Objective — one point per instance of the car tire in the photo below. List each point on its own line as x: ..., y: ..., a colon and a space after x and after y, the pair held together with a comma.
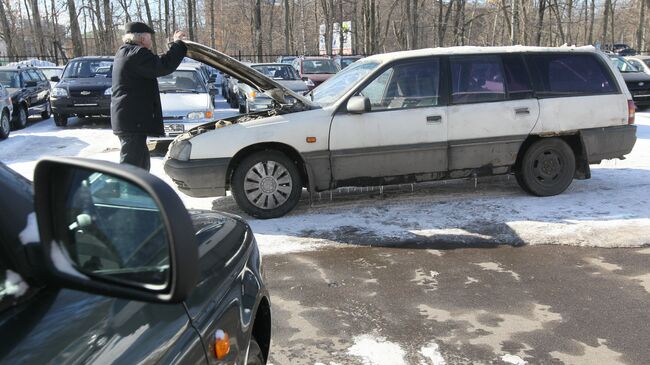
x: 255, y: 355
x: 547, y: 167
x: 5, y: 125
x: 20, y: 117
x: 265, y: 193
x: 242, y: 108
x: 48, y: 111
x: 60, y: 120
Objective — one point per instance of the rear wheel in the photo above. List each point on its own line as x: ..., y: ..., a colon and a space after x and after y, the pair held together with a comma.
x: 266, y: 184
x: 255, y: 355
x: 60, y: 120
x: 20, y: 117
x: 242, y: 108
x: 5, y: 125
x: 48, y: 110
x: 547, y: 167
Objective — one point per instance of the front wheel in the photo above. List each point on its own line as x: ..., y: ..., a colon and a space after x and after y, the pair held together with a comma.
x: 255, y: 355
x: 60, y: 120
x: 266, y: 184
x: 547, y: 167
x: 20, y: 118
x: 5, y: 125
x: 48, y: 110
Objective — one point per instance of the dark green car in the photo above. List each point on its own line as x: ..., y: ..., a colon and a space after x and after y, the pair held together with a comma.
x: 101, y: 263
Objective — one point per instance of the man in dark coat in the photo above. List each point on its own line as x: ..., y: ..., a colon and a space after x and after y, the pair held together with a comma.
x: 136, y: 111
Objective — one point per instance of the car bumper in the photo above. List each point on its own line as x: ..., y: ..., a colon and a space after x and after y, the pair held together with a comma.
x: 199, y: 178
x: 608, y: 142
x: 174, y: 128
x: 87, y: 106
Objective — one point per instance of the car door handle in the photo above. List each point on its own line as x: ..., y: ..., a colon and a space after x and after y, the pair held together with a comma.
x: 433, y: 119
x: 521, y: 111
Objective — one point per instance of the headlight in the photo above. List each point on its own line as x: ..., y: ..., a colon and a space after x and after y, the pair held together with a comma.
x: 59, y: 92
x: 200, y: 115
x: 109, y: 91
x: 181, y: 150
x: 308, y: 82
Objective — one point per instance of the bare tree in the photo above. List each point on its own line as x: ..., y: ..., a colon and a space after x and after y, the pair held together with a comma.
x: 6, y: 31
x: 640, y: 32
x: 257, y: 26
x: 149, y: 20
x: 108, y: 25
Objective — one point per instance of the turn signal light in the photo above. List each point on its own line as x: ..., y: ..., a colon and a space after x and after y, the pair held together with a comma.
x: 631, y: 109
x: 208, y: 114
x: 221, y: 344
x: 311, y: 139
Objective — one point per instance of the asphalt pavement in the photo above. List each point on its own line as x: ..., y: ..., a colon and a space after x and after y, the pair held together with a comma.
x: 472, y: 305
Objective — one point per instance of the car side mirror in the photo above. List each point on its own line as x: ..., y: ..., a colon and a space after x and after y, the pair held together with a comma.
x: 304, y: 78
x: 30, y: 83
x: 113, y: 230
x: 358, y: 105
x: 213, y: 78
x: 55, y: 79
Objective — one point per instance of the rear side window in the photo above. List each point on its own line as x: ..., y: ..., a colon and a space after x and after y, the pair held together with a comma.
x: 517, y: 79
x: 569, y: 75
x: 476, y: 79
x: 34, y: 75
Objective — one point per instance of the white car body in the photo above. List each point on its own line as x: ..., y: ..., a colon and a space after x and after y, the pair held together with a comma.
x: 336, y: 147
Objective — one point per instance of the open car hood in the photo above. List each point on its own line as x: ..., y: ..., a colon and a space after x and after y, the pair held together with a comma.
x: 243, y: 73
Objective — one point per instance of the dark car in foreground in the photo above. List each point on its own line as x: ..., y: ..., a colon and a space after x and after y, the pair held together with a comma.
x: 637, y: 81
x: 102, y: 263
x: 84, y: 89
x: 29, y: 91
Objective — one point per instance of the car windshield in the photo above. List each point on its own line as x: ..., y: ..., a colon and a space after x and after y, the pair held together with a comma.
x: 83, y: 69
x: 623, y: 65
x: 319, y: 66
x: 277, y: 72
x: 345, y: 62
x: 10, y: 79
x: 333, y: 89
x: 51, y: 72
x: 182, y: 82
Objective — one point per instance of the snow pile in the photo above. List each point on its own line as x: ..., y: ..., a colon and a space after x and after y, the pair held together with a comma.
x: 432, y: 353
x: 14, y: 285
x: 512, y: 359
x: 377, y: 351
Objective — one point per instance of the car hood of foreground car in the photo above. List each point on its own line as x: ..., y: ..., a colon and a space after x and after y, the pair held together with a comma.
x: 243, y: 73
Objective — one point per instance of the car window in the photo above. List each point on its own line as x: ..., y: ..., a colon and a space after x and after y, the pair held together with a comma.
x: 636, y: 64
x: 9, y: 79
x: 182, y: 82
x: 647, y: 62
x: 569, y: 74
x: 88, y: 69
x: 35, y: 75
x: 320, y: 66
x: 405, y: 86
x: 623, y: 65
x: 50, y: 72
x: 476, y: 79
x: 334, y: 88
x: 278, y: 72
x: 517, y: 79
x: 26, y: 76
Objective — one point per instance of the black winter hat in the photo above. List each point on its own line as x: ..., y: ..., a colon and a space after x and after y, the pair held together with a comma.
x: 138, y: 27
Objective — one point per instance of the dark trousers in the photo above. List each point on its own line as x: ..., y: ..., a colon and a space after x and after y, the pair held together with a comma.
x: 134, y: 150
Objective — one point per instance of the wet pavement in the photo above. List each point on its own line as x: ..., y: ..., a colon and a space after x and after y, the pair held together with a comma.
x: 476, y: 305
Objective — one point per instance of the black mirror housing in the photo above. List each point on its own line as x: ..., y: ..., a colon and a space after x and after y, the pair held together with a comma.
x: 55, y: 79
x: 52, y: 182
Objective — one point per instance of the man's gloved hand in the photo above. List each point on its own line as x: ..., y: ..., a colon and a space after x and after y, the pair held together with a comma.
x: 179, y: 35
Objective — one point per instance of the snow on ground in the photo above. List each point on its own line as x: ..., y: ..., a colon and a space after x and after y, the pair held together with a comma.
x: 610, y: 210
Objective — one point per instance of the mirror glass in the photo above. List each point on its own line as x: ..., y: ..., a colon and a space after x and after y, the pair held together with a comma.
x: 114, y: 230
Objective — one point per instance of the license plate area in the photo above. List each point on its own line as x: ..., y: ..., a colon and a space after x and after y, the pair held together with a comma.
x: 174, y: 129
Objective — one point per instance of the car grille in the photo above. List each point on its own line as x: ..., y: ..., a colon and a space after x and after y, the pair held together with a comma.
x: 86, y: 93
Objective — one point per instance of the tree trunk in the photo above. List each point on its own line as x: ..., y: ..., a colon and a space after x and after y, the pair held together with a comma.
x: 540, y: 21
x: 569, y: 35
x: 271, y: 23
x: 640, y: 32
x: 514, y: 31
x: 149, y: 20
x: 190, y: 19
x: 6, y: 32
x: 257, y: 24
x: 341, y: 27
x: 605, y: 21
x: 101, y: 35
x: 108, y: 21
x: 558, y: 17
x: 167, y: 19
x: 302, y: 30
x: 286, y: 26
x: 125, y: 9
x: 213, y: 43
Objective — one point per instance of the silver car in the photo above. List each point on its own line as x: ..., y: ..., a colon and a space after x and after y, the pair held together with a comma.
x: 6, y: 107
x: 186, y: 101
x: 251, y: 100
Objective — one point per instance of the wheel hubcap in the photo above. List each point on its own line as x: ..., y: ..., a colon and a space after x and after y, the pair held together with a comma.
x: 5, y: 123
x: 547, y: 166
x: 268, y: 184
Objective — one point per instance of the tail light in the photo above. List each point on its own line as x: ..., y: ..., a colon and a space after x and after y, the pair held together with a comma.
x: 631, y: 111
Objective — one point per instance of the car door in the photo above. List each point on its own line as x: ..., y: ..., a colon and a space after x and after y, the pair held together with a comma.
x: 42, y: 87
x: 31, y: 95
x: 492, y: 110
x: 404, y: 133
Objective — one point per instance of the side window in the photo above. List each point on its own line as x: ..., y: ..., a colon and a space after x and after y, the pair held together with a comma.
x: 517, y: 79
x: 476, y: 79
x: 569, y: 74
x: 636, y: 64
x: 26, y: 77
x: 405, y: 86
x: 34, y: 75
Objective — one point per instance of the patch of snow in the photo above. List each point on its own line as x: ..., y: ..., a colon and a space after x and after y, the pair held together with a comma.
x: 62, y: 263
x: 377, y: 351
x: 30, y: 233
x: 512, y: 359
x: 471, y: 280
x: 432, y: 353
x: 14, y: 285
x: 495, y: 266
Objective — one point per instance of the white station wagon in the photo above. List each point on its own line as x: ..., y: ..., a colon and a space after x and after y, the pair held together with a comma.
x: 543, y: 114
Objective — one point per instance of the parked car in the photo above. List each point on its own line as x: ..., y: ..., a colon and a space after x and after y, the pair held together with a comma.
x: 315, y: 69
x: 345, y: 61
x: 642, y: 63
x: 232, y: 90
x: 399, y: 118
x: 637, y: 81
x: 251, y: 99
x: 285, y: 59
x: 6, y: 108
x: 84, y: 90
x: 51, y: 71
x: 101, y: 263
x: 618, y: 47
x: 627, y: 52
x: 186, y: 101
x: 29, y: 92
